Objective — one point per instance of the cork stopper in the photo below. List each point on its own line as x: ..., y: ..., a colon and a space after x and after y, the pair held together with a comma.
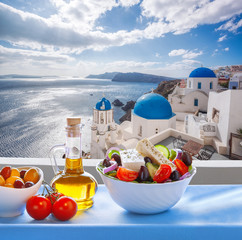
x: 73, y: 126
x: 73, y: 121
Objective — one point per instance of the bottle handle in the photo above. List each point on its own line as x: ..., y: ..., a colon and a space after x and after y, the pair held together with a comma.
x: 53, y: 157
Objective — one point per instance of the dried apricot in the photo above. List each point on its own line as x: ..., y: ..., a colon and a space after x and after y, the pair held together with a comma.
x: 2, y: 180
x: 13, y: 179
x: 15, y: 172
x: 31, y: 175
x: 10, y: 185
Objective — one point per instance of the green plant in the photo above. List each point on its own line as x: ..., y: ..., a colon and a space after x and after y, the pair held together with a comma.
x: 225, y: 85
x: 239, y: 131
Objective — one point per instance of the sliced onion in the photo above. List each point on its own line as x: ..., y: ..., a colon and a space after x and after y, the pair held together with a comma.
x: 186, y: 175
x: 111, y: 149
x: 114, y: 165
x: 178, y: 154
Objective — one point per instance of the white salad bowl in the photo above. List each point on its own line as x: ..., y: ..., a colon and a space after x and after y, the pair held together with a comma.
x: 13, y: 200
x: 145, y: 198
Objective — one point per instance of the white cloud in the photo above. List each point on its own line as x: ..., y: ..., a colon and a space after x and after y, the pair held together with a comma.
x: 131, y: 64
x: 180, y: 68
x: 73, y: 30
x: 226, y: 49
x: 128, y: 3
x: 81, y: 15
x: 222, y: 38
x: 26, y: 29
x: 31, y: 62
x: 187, y: 54
x: 231, y: 25
x: 157, y: 55
x: 181, y: 16
x: 177, y: 52
x: 191, y: 54
x: 215, y: 52
x: 13, y: 55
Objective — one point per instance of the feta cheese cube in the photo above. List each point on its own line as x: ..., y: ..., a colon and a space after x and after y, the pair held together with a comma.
x: 131, y: 159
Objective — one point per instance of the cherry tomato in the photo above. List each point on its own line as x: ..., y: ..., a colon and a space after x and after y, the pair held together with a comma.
x: 64, y: 208
x: 162, y: 173
x: 54, y: 196
x: 38, y: 207
x: 127, y: 175
x: 181, y: 166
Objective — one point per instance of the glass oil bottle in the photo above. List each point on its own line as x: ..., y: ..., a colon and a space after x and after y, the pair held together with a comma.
x: 73, y: 181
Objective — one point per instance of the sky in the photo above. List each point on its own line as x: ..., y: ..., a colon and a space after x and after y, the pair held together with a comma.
x: 82, y: 37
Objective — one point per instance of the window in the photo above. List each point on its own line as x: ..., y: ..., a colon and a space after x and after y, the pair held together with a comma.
x: 199, y: 85
x: 140, y: 131
x: 190, y: 84
x: 102, y: 119
x: 195, y: 102
x: 215, y: 115
x: 211, y: 85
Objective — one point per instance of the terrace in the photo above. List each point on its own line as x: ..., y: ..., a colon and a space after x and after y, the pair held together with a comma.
x: 216, y: 182
x: 219, y: 169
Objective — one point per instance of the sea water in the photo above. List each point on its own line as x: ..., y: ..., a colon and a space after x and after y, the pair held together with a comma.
x: 33, y: 112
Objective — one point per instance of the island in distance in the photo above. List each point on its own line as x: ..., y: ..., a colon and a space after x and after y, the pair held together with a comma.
x: 131, y: 77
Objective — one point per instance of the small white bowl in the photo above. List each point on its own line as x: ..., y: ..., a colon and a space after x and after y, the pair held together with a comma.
x: 13, y: 200
x: 145, y: 198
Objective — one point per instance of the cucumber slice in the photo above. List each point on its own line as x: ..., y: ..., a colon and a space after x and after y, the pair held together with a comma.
x: 173, y: 154
x: 113, y: 152
x: 164, y: 150
x: 152, y: 168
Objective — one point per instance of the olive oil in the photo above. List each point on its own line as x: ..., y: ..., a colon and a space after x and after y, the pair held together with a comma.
x: 74, y: 181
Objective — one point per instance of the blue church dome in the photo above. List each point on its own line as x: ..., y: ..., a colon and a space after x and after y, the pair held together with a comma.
x: 153, y: 106
x: 202, y: 72
x: 103, y: 105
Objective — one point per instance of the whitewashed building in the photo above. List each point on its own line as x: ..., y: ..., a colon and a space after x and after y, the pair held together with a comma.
x: 224, y: 116
x: 103, y: 128
x: 194, y: 97
x: 236, y: 81
x: 152, y: 114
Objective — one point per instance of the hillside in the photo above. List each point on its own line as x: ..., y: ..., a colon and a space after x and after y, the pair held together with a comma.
x: 139, y: 77
x: 106, y: 75
x: 131, y: 77
x: 166, y: 87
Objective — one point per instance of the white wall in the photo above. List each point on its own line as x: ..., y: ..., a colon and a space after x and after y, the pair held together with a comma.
x: 193, y: 127
x: 150, y: 126
x: 205, y: 84
x: 180, y: 116
x: 229, y: 103
x: 187, y: 104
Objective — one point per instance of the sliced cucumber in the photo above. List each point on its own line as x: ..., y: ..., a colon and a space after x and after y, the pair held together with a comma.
x: 152, y: 168
x: 164, y: 150
x: 173, y: 154
x: 113, y: 152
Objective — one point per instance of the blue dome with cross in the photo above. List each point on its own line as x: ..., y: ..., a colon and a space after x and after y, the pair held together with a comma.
x: 103, y: 105
x: 153, y: 106
x: 202, y: 72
